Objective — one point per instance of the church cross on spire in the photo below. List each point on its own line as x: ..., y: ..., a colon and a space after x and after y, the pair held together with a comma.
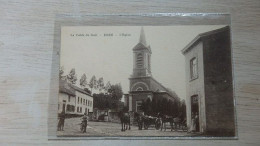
x: 142, y: 37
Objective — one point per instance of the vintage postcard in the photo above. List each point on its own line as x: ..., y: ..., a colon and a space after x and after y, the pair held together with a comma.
x: 146, y: 81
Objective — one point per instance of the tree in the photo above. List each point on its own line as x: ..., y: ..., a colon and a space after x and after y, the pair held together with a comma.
x: 93, y: 82
x: 146, y: 106
x: 110, y: 100
x: 61, y: 72
x: 72, y: 77
x: 154, y: 106
x: 182, y: 109
x: 164, y: 106
x: 116, y: 91
x: 107, y: 87
x: 100, y: 83
x: 83, y: 80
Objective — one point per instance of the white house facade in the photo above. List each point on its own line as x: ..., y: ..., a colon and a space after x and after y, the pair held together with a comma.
x: 74, y: 100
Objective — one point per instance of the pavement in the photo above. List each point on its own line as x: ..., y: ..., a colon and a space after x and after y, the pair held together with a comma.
x: 72, y: 128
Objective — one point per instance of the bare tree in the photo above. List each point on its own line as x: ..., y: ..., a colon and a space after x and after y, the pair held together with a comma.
x: 93, y: 83
x: 61, y: 72
x: 72, y: 76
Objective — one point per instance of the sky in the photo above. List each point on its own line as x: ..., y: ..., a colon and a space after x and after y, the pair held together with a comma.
x: 106, y: 51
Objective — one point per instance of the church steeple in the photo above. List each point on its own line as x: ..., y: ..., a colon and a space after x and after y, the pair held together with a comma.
x: 142, y: 57
x: 142, y: 37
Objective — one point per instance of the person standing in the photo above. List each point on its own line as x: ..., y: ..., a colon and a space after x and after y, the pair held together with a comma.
x: 61, y: 121
x: 84, y: 122
x: 193, y: 124
x: 196, y: 122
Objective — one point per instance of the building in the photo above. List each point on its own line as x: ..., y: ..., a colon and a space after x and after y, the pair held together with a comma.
x: 74, y: 100
x: 142, y: 85
x: 209, y: 82
x: 67, y: 98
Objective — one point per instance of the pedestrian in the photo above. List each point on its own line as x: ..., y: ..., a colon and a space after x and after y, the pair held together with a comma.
x: 84, y: 122
x: 61, y: 121
x: 193, y: 124
x: 197, y: 122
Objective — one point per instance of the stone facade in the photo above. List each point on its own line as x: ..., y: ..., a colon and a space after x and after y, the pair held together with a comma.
x: 211, y: 89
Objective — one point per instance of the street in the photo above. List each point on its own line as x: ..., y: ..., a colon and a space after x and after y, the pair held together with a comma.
x: 72, y: 128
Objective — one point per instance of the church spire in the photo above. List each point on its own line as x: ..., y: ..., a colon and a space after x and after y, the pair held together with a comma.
x: 142, y: 37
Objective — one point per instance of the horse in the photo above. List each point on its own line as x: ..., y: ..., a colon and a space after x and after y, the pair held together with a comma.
x: 125, y: 120
x: 166, y: 119
x: 139, y: 119
x: 158, y: 123
x: 177, y: 122
x: 183, y: 124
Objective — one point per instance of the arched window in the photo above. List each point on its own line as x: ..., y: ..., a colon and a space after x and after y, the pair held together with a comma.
x: 139, y: 60
x: 139, y: 89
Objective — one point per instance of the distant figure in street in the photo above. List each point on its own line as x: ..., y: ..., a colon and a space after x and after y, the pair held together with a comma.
x: 84, y: 123
x: 196, y: 122
x: 61, y: 121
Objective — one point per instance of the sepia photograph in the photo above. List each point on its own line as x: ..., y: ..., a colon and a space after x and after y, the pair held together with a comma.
x: 146, y: 81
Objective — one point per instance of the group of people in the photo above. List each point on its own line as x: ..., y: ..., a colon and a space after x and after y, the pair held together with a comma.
x: 84, y: 122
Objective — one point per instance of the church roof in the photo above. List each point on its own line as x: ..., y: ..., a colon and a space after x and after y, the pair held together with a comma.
x: 142, y: 42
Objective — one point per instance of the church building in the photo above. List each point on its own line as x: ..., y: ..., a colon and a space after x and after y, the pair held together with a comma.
x: 142, y: 85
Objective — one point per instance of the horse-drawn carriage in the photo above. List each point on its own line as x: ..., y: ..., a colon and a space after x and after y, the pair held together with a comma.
x: 146, y: 121
x: 159, y: 122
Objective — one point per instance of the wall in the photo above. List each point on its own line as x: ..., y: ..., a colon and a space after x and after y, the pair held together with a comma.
x: 218, y: 83
x: 83, y: 106
x: 195, y: 86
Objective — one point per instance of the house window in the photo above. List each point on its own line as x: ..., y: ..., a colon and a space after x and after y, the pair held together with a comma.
x: 81, y: 100
x: 69, y: 99
x: 78, y: 100
x: 139, y: 60
x: 77, y: 109
x: 193, y: 68
x: 138, y: 106
x: 84, y: 101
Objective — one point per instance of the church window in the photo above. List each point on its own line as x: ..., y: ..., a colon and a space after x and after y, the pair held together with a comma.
x: 139, y: 60
x: 139, y: 89
x: 193, y: 68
